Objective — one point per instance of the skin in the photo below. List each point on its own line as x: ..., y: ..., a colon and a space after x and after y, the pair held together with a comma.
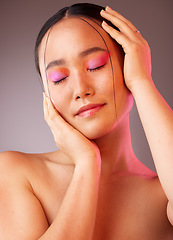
x: 94, y: 187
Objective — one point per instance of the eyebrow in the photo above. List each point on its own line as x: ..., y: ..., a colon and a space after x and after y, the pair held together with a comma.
x: 84, y: 53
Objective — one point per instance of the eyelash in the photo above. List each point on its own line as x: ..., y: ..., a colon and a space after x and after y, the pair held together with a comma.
x: 97, y: 68
x: 59, y: 81
x: 90, y: 70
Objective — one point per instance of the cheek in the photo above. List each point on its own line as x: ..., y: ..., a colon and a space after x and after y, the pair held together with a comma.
x: 60, y: 101
x: 105, y: 82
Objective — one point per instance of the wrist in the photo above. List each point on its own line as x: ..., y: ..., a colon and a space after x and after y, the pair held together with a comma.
x: 89, y: 167
x: 141, y: 86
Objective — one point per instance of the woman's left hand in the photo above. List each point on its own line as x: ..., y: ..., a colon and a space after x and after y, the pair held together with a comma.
x: 137, y: 61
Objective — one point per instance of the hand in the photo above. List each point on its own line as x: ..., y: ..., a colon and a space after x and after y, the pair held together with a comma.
x: 75, y: 145
x: 137, y: 61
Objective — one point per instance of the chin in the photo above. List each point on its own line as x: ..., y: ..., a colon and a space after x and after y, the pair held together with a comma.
x: 96, y: 132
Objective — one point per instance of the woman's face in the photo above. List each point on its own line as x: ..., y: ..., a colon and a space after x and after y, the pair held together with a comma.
x: 76, y: 72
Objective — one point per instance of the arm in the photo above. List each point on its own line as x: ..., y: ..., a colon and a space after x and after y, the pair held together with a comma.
x: 21, y: 213
x: 155, y: 114
x: 157, y: 120
x: 76, y: 217
x: 22, y: 216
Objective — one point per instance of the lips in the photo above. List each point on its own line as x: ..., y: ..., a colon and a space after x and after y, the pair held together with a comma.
x: 89, y: 110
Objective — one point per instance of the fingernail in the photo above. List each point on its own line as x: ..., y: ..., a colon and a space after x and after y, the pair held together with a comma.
x: 44, y: 96
x: 108, y: 8
x: 47, y: 99
x: 104, y: 23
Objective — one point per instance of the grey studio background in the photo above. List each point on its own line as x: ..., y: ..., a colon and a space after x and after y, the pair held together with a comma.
x: 22, y: 126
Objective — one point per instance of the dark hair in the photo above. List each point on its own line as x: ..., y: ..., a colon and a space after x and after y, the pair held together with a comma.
x: 87, y: 10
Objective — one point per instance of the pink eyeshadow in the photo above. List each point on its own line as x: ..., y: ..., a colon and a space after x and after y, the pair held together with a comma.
x: 98, y: 61
x: 56, y: 76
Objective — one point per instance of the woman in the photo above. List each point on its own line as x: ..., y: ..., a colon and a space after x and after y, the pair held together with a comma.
x: 93, y: 187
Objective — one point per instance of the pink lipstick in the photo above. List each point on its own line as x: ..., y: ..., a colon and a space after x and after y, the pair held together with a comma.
x: 89, y: 110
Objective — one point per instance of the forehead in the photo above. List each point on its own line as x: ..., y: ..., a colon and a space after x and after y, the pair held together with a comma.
x: 75, y: 27
x: 74, y: 35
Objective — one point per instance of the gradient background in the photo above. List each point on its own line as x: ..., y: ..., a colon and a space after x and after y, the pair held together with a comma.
x: 22, y: 126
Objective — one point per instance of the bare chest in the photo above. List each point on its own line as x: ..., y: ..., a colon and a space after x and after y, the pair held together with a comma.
x: 130, y: 210
x: 132, y: 213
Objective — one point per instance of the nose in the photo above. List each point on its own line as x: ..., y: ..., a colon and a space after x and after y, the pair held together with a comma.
x: 82, y: 86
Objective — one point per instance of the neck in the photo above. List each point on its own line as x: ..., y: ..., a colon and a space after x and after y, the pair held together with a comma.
x: 116, y: 150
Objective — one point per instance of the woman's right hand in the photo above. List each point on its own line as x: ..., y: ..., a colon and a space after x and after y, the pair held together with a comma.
x: 69, y: 140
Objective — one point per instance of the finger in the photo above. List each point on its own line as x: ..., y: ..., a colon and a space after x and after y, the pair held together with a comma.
x: 46, y: 111
x: 54, y: 120
x: 52, y: 116
x: 116, y: 14
x: 123, y: 27
x: 45, y: 105
x: 51, y: 109
x: 122, y: 39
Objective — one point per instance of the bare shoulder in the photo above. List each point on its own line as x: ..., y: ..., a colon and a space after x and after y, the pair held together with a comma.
x: 31, y: 185
x: 10, y: 157
x: 18, y: 204
x: 18, y: 160
x: 14, y: 163
x: 11, y: 163
x: 26, y: 171
x: 15, y: 169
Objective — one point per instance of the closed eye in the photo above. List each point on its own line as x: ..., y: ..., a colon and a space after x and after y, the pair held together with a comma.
x: 58, y: 77
x: 98, y: 62
x: 96, y: 68
x: 59, y: 81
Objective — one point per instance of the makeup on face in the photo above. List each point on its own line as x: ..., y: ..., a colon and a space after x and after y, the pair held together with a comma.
x: 98, y: 61
x: 58, y: 75
x: 93, y: 63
